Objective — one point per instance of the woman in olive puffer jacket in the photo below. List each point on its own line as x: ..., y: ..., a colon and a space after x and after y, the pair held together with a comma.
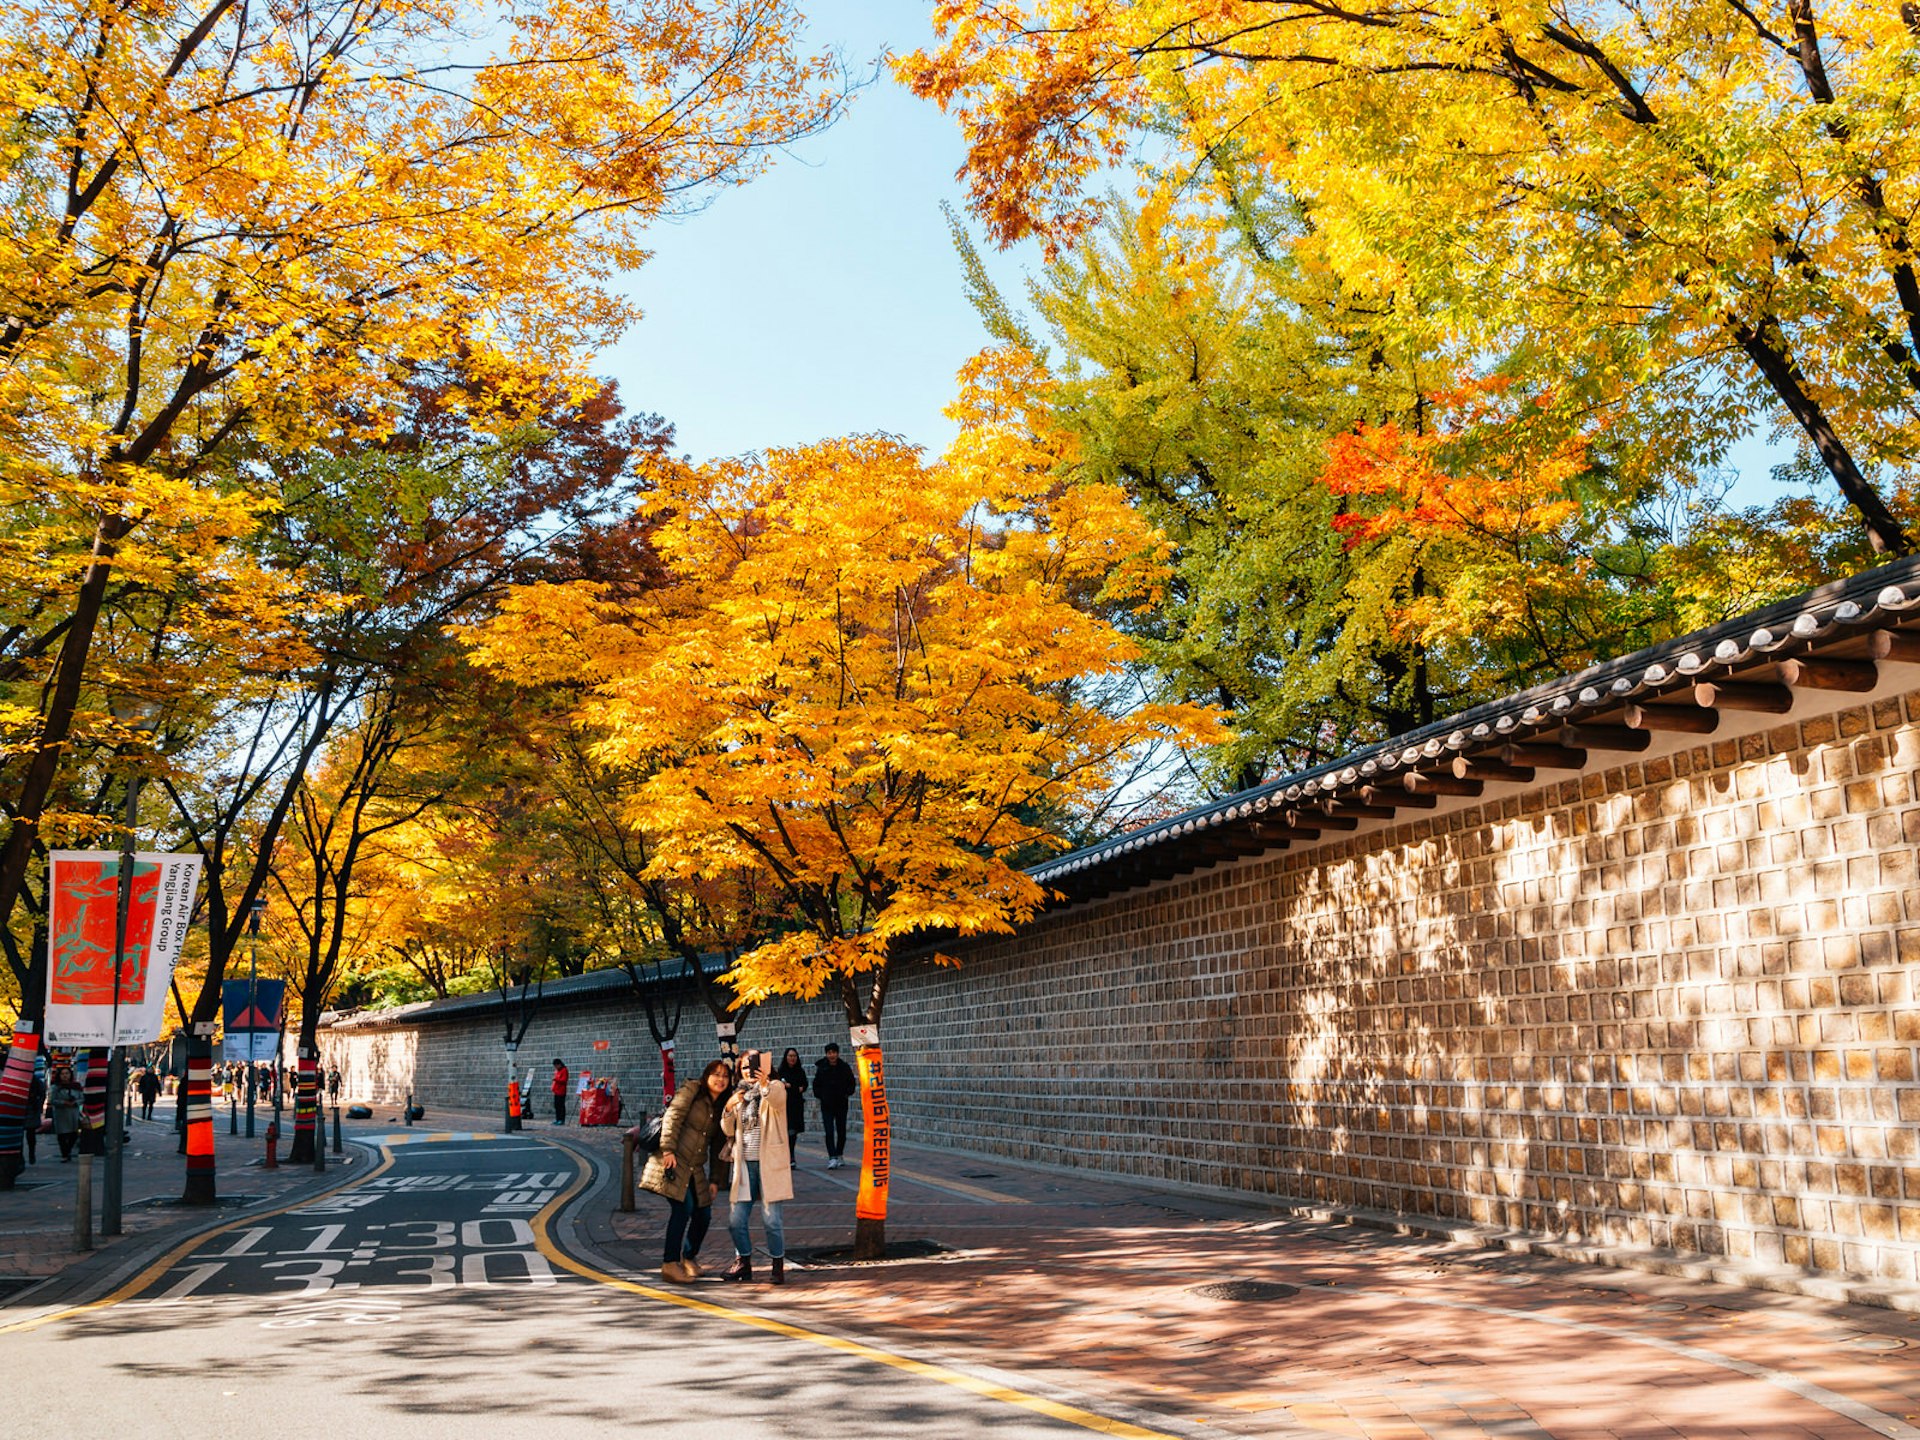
x: 679, y: 1169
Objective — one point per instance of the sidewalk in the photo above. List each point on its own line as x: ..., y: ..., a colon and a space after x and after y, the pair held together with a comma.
x: 1243, y: 1321
x: 36, y: 1216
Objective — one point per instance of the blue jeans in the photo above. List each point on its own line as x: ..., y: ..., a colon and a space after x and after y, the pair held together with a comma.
x: 743, y: 1212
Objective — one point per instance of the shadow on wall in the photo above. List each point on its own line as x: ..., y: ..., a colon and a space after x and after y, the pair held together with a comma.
x: 1664, y: 1007
x: 378, y: 1069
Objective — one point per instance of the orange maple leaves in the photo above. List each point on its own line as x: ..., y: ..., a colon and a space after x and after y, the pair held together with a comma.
x: 1487, y: 469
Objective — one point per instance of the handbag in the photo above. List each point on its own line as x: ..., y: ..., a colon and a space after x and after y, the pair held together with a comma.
x: 649, y: 1141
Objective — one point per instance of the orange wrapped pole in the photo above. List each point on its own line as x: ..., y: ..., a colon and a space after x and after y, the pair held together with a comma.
x: 876, y: 1156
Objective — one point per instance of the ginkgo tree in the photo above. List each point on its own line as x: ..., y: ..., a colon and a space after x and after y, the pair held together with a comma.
x: 229, y: 220
x: 863, y: 678
x: 1697, y: 204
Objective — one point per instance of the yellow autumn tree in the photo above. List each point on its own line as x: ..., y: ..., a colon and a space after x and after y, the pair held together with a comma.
x: 865, y: 679
x: 1705, y: 204
x: 252, y: 222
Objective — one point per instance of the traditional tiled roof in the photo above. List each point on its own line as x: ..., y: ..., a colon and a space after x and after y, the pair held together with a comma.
x: 1831, y: 639
x: 592, y: 988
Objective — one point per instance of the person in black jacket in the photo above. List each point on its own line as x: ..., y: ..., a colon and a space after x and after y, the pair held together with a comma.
x: 834, y: 1084
x: 793, y: 1075
x: 36, y: 1107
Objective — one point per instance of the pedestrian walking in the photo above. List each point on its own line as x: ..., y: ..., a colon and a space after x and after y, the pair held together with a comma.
x: 755, y: 1120
x: 559, y: 1091
x: 333, y: 1085
x: 793, y: 1074
x: 36, y: 1106
x: 149, y: 1087
x: 834, y: 1084
x: 64, y: 1099
x: 678, y: 1170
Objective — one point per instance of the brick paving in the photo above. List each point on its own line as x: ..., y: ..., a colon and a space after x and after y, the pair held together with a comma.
x: 1099, y: 1287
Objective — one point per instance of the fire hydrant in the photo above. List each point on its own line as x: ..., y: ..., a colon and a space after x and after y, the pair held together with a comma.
x: 273, y: 1145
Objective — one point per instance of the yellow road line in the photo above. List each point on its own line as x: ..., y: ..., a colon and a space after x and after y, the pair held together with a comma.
x: 179, y: 1252
x: 991, y: 1390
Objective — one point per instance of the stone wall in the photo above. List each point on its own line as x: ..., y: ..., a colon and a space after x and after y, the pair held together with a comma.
x: 1669, y: 1003
x: 457, y: 1062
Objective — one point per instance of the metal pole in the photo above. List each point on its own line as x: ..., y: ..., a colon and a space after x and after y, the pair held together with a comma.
x: 253, y: 1004
x: 117, y: 1057
x: 336, y: 1124
x: 83, y: 1203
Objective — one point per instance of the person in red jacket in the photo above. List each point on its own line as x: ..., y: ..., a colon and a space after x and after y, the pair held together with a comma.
x: 559, y: 1092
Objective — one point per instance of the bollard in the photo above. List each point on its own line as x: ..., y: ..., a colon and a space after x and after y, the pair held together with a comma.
x: 319, y: 1142
x: 629, y: 1142
x: 336, y: 1124
x: 409, y: 1107
x: 273, y: 1145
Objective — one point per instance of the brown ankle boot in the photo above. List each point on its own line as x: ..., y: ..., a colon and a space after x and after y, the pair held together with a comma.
x: 779, y: 1276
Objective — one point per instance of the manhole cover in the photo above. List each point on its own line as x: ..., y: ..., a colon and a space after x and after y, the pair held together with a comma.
x: 979, y: 1174
x: 1246, y: 1290
x: 1874, y: 1342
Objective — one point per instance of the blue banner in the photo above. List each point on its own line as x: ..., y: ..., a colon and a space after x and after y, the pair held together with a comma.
x: 252, y: 1013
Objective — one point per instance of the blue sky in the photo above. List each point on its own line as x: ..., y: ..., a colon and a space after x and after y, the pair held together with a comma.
x: 824, y: 298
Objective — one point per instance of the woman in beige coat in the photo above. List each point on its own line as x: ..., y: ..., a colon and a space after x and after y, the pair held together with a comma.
x: 756, y: 1120
x: 678, y: 1170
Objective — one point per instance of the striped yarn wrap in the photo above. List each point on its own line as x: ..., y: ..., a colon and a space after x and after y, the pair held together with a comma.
x: 15, y: 1077
x: 200, y: 1117
x: 93, y: 1107
x: 306, y: 1106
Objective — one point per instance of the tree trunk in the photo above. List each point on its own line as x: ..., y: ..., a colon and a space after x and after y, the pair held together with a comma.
x: 93, y: 1109
x: 51, y: 744
x: 1766, y: 346
x: 876, y: 1157
x: 201, y: 1188
x: 306, y: 1089
x: 869, y: 1236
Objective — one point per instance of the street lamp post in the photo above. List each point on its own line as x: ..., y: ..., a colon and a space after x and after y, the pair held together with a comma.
x: 141, y: 715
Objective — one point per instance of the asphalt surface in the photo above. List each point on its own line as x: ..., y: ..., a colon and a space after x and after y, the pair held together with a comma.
x: 432, y: 1298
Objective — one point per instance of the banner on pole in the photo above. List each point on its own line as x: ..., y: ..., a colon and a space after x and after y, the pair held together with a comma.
x: 252, y: 1013
x: 83, y: 907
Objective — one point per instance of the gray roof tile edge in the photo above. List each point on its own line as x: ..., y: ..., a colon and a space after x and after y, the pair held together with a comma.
x: 1854, y: 602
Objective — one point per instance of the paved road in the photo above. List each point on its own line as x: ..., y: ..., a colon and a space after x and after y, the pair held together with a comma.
x: 432, y: 1298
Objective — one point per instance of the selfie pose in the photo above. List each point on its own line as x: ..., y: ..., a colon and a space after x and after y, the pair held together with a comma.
x: 756, y: 1121
x: 678, y: 1170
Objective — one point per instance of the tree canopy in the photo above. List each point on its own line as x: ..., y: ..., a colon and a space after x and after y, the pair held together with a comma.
x: 1695, y: 207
